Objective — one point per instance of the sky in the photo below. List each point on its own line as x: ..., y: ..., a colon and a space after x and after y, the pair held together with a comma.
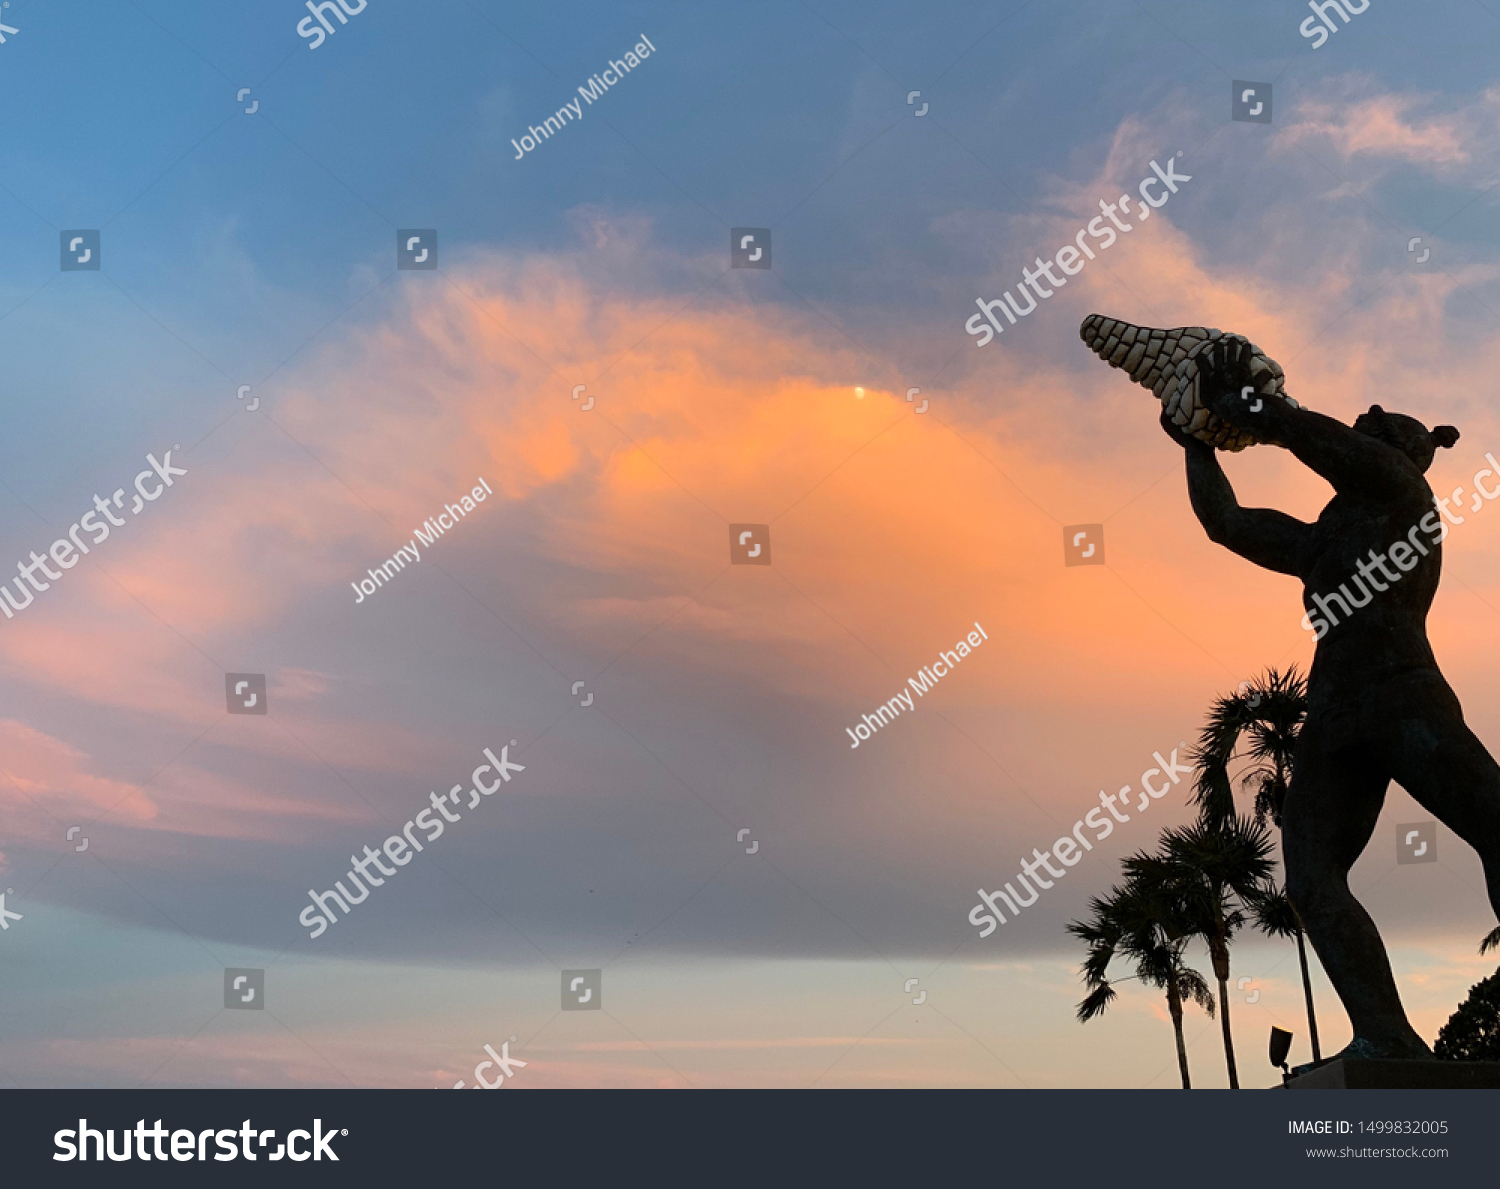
x: 692, y: 820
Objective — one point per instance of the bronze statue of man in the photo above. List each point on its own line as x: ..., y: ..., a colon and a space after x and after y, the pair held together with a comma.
x: 1378, y: 706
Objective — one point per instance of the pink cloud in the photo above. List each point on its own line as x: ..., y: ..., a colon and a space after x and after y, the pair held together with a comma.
x: 1350, y: 115
x: 44, y: 781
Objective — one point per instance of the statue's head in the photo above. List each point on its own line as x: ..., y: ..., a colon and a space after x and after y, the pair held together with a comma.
x: 1406, y: 434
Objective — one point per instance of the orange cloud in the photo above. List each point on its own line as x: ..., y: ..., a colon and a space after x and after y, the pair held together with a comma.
x: 892, y: 531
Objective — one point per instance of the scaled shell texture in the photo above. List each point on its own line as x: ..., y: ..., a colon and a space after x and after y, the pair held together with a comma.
x: 1165, y: 361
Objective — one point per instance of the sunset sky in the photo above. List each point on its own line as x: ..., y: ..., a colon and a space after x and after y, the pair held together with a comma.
x: 258, y: 249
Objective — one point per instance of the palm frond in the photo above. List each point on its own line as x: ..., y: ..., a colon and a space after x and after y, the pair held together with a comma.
x: 1095, y: 1002
x: 1263, y: 724
x: 1193, y: 985
x: 1273, y: 912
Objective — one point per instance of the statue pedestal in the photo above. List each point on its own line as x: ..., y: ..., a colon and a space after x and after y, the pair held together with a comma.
x: 1362, y: 1074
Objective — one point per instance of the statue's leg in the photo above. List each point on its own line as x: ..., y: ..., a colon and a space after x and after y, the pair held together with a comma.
x: 1331, y: 810
x: 1431, y: 752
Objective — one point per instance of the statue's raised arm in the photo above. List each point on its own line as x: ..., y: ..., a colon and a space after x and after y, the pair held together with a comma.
x: 1265, y: 536
x: 1355, y: 460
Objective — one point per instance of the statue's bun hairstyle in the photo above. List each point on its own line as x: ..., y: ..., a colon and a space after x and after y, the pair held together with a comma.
x: 1444, y: 436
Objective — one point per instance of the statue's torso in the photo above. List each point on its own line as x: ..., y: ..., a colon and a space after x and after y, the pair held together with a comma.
x: 1384, y: 635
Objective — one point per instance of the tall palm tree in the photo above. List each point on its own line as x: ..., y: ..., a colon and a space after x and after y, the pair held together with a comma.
x: 1141, y: 924
x: 1267, y: 716
x: 1274, y: 916
x: 1211, y: 868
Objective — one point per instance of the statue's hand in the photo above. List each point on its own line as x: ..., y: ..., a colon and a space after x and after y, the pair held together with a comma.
x: 1181, y: 436
x: 1223, y: 377
x: 1175, y: 431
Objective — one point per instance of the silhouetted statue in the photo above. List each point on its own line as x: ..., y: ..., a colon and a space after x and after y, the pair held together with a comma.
x: 1378, y: 707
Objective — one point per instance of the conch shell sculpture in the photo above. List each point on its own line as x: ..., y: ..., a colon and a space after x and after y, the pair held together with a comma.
x: 1165, y: 361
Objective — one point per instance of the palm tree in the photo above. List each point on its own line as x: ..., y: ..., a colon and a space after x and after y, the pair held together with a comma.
x: 1140, y: 923
x: 1268, y: 713
x: 1211, y: 868
x: 1275, y: 917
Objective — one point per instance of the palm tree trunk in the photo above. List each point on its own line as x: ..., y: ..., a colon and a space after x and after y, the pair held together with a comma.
x: 1219, y: 950
x: 1312, y: 1019
x: 1234, y: 1075
x: 1174, y: 1005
